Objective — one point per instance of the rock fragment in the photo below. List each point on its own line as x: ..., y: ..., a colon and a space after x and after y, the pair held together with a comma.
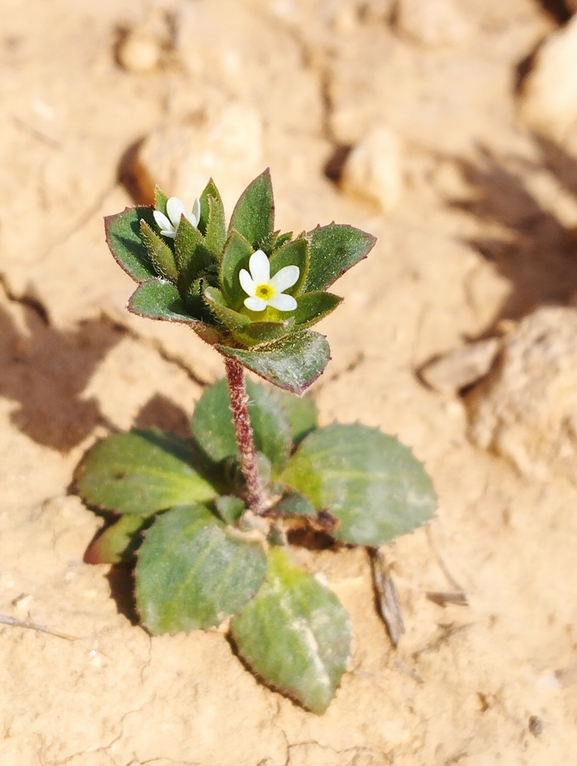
x: 526, y: 408
x: 433, y: 23
x: 374, y: 170
x: 549, y: 102
x: 461, y: 367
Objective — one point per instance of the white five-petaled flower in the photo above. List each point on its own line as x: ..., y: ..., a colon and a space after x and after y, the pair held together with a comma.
x: 264, y: 290
x: 175, y: 208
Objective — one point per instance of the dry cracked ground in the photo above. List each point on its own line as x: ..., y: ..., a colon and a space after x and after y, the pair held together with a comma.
x: 447, y: 129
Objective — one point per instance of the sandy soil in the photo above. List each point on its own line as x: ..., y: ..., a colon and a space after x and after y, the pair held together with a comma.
x: 480, y: 232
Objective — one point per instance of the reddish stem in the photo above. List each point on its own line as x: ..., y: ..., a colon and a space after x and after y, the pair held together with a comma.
x: 244, y: 435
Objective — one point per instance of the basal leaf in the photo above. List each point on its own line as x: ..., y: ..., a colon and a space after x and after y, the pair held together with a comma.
x: 125, y: 242
x: 370, y: 481
x: 192, y: 572
x: 118, y: 542
x: 295, y: 634
x: 300, y: 411
x: 295, y: 253
x: 293, y: 363
x: 333, y: 250
x: 312, y: 307
x: 213, y: 431
x: 159, y: 253
x: 140, y: 473
x: 236, y: 256
x: 158, y: 299
x: 294, y: 504
x: 229, y: 508
x: 253, y: 215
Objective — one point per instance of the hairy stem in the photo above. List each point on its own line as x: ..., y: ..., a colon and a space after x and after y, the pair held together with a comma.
x: 244, y: 435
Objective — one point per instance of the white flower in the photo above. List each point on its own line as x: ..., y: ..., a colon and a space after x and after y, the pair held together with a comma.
x: 175, y: 208
x: 264, y: 290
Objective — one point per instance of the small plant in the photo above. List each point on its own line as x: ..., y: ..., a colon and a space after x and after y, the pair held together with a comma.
x: 207, y: 519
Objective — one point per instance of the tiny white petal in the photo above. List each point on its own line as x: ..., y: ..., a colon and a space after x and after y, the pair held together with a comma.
x: 194, y: 216
x: 255, y: 304
x: 247, y: 282
x: 171, y: 233
x: 259, y: 267
x: 175, y: 208
x: 161, y: 220
x: 282, y: 302
x: 285, y: 278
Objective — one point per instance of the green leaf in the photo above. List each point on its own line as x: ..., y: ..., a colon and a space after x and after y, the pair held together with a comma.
x: 300, y: 411
x: 141, y: 472
x: 312, y: 307
x: 159, y: 253
x: 216, y: 229
x: 293, y: 363
x: 160, y: 199
x: 213, y: 430
x: 212, y: 219
x: 294, y: 504
x: 193, y: 572
x: 370, y: 481
x: 294, y: 253
x: 282, y: 239
x: 258, y: 333
x: 268, y: 245
x: 230, y: 318
x: 125, y: 242
x: 230, y: 508
x: 210, y: 190
x: 191, y: 254
x: 158, y: 299
x: 236, y: 256
x: 334, y: 249
x: 119, y: 542
x: 295, y: 634
x: 253, y: 215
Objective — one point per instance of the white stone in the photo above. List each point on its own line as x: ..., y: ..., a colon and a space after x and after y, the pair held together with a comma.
x: 433, y: 23
x: 526, y: 408
x: 549, y: 102
x: 225, y: 143
x: 374, y: 168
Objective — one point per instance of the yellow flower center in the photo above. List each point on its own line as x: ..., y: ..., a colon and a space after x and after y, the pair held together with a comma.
x: 264, y: 291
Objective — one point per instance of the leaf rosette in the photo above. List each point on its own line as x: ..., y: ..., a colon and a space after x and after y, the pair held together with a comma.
x: 177, y: 512
x: 250, y: 291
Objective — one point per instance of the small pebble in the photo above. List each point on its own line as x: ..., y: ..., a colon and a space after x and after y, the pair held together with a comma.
x: 535, y: 725
x: 374, y: 170
x: 140, y: 52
